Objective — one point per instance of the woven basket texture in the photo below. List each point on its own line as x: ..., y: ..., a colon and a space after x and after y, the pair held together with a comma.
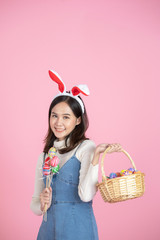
x: 121, y: 188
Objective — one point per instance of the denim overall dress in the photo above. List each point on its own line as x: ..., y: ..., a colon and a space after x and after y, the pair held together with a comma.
x: 68, y: 218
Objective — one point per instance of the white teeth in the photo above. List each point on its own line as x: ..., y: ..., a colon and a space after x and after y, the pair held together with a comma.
x: 59, y: 130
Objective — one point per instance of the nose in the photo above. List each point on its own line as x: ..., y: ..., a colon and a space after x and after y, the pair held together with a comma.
x: 58, y: 121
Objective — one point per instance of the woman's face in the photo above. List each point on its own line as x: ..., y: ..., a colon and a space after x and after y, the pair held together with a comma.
x: 63, y: 120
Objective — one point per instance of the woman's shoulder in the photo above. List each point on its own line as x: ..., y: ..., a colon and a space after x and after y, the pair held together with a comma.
x: 40, y: 159
x: 41, y: 156
x: 88, y: 144
x: 86, y: 147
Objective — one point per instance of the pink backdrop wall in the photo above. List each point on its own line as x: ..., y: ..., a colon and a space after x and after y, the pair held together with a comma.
x: 113, y: 47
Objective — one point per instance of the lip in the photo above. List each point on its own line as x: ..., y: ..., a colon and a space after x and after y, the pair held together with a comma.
x: 59, y: 130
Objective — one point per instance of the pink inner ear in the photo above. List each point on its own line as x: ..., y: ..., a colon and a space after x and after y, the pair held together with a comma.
x: 56, y: 79
x: 76, y: 90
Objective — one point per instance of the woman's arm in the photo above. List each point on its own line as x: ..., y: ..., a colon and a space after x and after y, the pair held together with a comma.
x: 88, y: 173
x: 90, y: 155
x: 38, y: 187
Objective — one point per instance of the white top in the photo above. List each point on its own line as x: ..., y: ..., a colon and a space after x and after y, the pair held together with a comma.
x: 88, y: 173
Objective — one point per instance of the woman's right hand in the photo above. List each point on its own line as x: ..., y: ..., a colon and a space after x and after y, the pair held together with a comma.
x: 46, y: 198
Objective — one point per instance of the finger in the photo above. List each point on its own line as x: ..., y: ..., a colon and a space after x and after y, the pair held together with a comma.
x: 47, y: 201
x: 118, y: 146
x: 46, y: 190
x: 115, y: 147
x: 105, y: 145
x: 42, y: 207
x: 47, y: 196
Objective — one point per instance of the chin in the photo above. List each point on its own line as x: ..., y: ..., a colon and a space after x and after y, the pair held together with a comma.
x: 60, y: 137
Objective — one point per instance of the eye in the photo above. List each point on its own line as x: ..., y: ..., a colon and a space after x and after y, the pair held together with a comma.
x: 53, y: 115
x: 65, y: 117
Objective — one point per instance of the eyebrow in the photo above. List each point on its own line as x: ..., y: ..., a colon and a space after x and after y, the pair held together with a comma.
x: 62, y: 114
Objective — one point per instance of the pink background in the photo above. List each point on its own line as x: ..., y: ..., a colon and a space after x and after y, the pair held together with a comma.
x: 113, y: 47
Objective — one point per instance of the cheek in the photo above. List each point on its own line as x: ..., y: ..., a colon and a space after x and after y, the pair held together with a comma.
x: 70, y: 125
x: 73, y: 125
x: 51, y: 122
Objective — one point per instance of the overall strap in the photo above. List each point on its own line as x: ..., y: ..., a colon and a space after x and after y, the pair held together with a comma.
x: 44, y: 156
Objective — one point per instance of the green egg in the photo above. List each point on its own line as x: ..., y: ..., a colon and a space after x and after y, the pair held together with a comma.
x: 55, y: 169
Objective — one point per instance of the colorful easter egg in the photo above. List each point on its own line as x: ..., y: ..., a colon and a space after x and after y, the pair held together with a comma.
x: 47, y: 160
x: 128, y: 172
x: 112, y: 175
x: 54, y: 161
x: 52, y: 152
x: 118, y: 174
x: 131, y: 169
x: 55, y: 169
x: 46, y: 170
x: 123, y: 172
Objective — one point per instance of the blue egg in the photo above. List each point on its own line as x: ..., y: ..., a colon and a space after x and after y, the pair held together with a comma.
x: 112, y: 175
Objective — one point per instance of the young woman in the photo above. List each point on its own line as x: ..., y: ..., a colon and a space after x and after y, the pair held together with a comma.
x: 69, y: 199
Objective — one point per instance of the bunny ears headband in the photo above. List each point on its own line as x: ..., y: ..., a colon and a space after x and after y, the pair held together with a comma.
x: 75, y: 91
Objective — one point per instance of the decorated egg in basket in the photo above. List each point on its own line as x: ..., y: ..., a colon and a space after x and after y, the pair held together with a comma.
x: 112, y: 175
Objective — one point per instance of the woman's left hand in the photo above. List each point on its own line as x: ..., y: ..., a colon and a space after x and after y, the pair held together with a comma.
x: 99, y: 149
x: 115, y: 147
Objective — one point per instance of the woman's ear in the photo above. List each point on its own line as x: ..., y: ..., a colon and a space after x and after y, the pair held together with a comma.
x: 78, y: 121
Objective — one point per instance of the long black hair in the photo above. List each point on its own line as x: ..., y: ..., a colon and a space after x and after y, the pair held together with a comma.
x: 78, y: 133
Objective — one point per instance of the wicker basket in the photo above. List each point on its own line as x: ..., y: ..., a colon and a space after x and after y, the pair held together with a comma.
x: 121, y: 188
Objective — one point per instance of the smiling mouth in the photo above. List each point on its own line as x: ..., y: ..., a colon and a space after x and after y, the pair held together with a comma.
x: 59, y: 130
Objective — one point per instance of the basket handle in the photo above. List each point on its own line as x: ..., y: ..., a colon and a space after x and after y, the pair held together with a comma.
x: 114, y: 148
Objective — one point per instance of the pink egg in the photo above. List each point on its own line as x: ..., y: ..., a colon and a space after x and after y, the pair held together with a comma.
x: 54, y: 161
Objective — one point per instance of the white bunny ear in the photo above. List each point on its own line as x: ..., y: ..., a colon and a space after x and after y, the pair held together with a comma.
x: 80, y: 89
x: 56, y: 78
